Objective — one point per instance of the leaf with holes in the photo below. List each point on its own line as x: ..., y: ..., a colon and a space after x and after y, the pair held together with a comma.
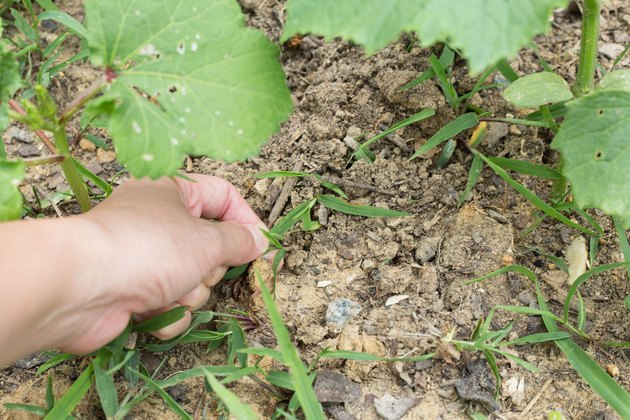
x: 191, y: 79
x: 593, y: 141
x: 484, y: 30
x: 11, y: 174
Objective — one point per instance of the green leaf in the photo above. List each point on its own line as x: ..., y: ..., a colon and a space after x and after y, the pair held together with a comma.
x: 66, y: 20
x: 23, y: 26
x: 538, y: 89
x: 537, y: 338
x: 106, y: 390
x: 507, y: 71
x: 9, y: 81
x: 47, y: 4
x: 162, y: 320
x: 475, y: 170
x: 73, y: 396
x: 285, y: 224
x: 236, y: 342
x: 343, y: 206
x: 264, y: 352
x: 237, y: 408
x: 11, y: 174
x: 446, y: 60
x: 280, y: 378
x: 453, y: 128
x: 593, y: 142
x: 356, y: 355
x: 484, y: 30
x: 445, y: 84
x: 29, y: 408
x: 303, y: 388
x: 50, y: 395
x: 168, y: 400
x: 615, y: 80
x: 218, y: 87
x: 526, y: 168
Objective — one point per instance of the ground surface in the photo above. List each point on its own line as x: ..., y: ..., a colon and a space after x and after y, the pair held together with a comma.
x: 339, y: 93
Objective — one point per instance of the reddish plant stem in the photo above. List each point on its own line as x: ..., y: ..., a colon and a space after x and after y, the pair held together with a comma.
x: 39, y: 133
x: 78, y: 102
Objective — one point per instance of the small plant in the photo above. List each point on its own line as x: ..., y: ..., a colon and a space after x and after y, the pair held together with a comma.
x: 202, y: 84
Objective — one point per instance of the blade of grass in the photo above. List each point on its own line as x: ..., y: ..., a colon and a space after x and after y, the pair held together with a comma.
x: 60, y: 358
x: 623, y: 241
x: 305, y: 394
x: 66, y: 404
x: 264, y: 352
x: 236, y: 342
x: 356, y: 355
x: 66, y: 20
x: 106, y: 390
x: 236, y: 408
x: 473, y: 175
x: 445, y: 84
x: 91, y: 176
x: 536, y: 338
x: 492, y: 362
x: 453, y: 128
x: 526, y: 168
x: 285, y: 223
x: 281, y: 379
x: 29, y: 408
x: 422, y: 115
x: 282, y: 174
x: 446, y: 60
x: 50, y: 395
x: 533, y: 198
x: 506, y: 70
x: 584, y: 277
x: 47, y: 4
x: 343, y: 206
x: 162, y: 320
x: 168, y: 400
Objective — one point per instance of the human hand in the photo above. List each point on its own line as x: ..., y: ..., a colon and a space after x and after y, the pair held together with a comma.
x: 163, y: 243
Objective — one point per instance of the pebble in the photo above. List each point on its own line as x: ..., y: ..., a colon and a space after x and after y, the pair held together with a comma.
x: 105, y: 156
x: 95, y: 167
x: 19, y: 134
x: 333, y: 387
x: 515, y: 130
x: 85, y: 144
x: 427, y: 248
x: 391, y: 408
x: 611, y: 50
x: 28, y: 150
x: 340, y: 311
x: 392, y: 300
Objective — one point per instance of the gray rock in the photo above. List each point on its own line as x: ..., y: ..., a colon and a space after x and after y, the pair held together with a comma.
x: 391, y: 408
x: 19, y: 134
x: 340, y: 311
x: 427, y: 248
x: 333, y: 387
x: 28, y: 150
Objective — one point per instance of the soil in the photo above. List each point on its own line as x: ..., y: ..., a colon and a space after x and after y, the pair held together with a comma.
x: 338, y: 93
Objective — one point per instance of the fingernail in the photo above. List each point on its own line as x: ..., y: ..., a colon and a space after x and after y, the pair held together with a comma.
x: 262, y: 243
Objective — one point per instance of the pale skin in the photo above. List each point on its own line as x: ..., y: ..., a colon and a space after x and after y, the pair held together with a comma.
x: 74, y: 283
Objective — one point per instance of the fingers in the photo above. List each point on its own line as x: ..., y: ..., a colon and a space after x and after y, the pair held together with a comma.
x: 170, y: 331
x: 216, y: 199
x: 231, y: 243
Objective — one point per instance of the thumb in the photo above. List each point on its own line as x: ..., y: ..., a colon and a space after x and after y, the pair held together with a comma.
x: 233, y: 243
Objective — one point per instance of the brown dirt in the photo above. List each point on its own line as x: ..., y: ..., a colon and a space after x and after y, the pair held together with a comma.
x: 339, y: 92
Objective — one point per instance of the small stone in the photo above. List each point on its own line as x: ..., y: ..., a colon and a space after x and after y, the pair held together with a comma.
x: 333, y: 387
x: 95, y: 167
x: 427, y: 249
x: 54, y: 181
x: 515, y: 389
x: 105, y: 156
x: 28, y: 150
x: 261, y: 186
x: 19, y: 134
x: 611, y: 50
x: 324, y: 283
x: 612, y: 370
x: 87, y: 145
x: 495, y: 132
x: 322, y: 215
x: 391, y: 408
x: 345, y: 253
x: 392, y: 300
x: 526, y: 297
x: 31, y: 361
x: 515, y: 130
x: 340, y: 311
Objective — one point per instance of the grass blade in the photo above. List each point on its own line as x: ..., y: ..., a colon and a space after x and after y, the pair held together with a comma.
x: 581, y: 279
x: 66, y: 20
x: 264, y: 352
x: 66, y: 404
x: 533, y: 198
x: 447, y: 87
x: 446, y: 60
x: 237, y: 408
x: 285, y: 224
x: 29, y: 408
x: 623, y: 241
x: 526, y: 168
x: 282, y: 174
x: 91, y: 176
x: 537, y: 338
x: 106, y: 390
x: 422, y: 115
x: 236, y: 342
x: 453, y: 128
x: 357, y: 355
x: 281, y: 379
x: 50, y: 395
x: 343, y: 206
x: 168, y: 400
x: 506, y: 70
x: 162, y: 320
x: 303, y: 389
x: 60, y: 358
x: 475, y: 170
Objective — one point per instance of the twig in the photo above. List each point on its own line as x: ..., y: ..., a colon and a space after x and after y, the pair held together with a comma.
x: 40, y: 133
x: 44, y: 160
x: 352, y: 184
x: 52, y: 202
x: 534, y: 400
x: 284, y: 196
x: 78, y: 102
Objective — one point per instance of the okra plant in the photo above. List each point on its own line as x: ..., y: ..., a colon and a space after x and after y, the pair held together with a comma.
x: 178, y: 77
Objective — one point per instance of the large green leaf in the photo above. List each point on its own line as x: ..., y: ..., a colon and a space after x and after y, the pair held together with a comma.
x: 593, y: 141
x: 538, y: 89
x: 615, y: 80
x: 11, y: 174
x: 9, y: 80
x: 484, y: 30
x: 217, y: 88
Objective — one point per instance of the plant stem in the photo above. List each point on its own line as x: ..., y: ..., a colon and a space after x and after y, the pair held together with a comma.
x: 516, y: 121
x: 588, y: 48
x: 70, y: 171
x: 44, y: 160
x: 78, y: 102
x: 40, y: 133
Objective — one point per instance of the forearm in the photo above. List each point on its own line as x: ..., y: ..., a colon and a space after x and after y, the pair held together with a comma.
x: 40, y: 264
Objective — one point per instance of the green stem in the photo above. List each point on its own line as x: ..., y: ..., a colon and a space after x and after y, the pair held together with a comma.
x: 588, y: 48
x: 70, y: 171
x: 559, y: 187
